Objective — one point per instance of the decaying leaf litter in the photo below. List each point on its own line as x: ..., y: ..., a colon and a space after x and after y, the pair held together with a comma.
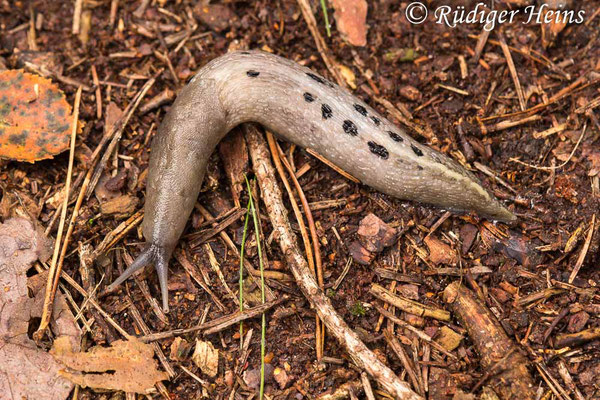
x: 518, y: 105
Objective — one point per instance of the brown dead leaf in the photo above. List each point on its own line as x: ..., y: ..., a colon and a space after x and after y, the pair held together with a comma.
x: 206, y: 357
x: 35, y: 118
x: 29, y: 372
x: 351, y: 20
x: 132, y: 361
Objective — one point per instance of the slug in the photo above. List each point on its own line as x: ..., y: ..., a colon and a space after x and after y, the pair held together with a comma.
x: 304, y: 108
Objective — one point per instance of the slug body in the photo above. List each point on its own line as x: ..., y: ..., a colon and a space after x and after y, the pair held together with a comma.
x: 301, y: 107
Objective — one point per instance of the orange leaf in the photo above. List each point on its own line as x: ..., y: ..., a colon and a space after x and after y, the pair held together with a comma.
x: 35, y: 117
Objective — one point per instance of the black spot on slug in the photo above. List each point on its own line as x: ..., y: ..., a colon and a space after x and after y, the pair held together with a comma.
x: 395, y: 137
x: 420, y: 168
x: 252, y: 73
x: 350, y: 128
x: 378, y: 150
x: 245, y: 52
x: 309, y: 97
x: 360, y: 109
x: 317, y: 78
x: 416, y: 150
x: 326, y: 111
x: 376, y: 120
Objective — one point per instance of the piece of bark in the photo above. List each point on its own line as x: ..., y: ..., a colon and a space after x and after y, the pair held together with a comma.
x: 500, y: 356
x: 516, y: 246
x: 351, y: 20
x: 468, y: 234
x: 374, y: 234
x: 360, y: 254
x: 234, y: 155
x: 122, y: 206
x: 577, y: 321
x: 362, y: 356
x: 440, y: 252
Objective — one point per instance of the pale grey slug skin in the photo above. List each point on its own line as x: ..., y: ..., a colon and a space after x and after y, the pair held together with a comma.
x: 300, y: 107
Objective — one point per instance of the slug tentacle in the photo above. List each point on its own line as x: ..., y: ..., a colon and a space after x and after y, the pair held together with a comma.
x: 303, y: 108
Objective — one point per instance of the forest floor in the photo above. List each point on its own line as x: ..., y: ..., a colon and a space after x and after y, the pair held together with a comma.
x: 515, y: 105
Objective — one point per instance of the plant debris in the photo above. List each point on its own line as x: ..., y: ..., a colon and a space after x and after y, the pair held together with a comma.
x: 29, y: 371
x: 127, y: 365
x: 35, y: 118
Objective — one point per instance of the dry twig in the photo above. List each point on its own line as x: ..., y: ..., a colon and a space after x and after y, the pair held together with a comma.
x: 357, y: 350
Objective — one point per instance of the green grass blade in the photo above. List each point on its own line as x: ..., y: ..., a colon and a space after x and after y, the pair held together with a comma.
x: 327, y: 26
x: 241, y: 281
x: 263, y: 340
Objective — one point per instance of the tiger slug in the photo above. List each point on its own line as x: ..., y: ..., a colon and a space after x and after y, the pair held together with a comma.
x: 306, y: 109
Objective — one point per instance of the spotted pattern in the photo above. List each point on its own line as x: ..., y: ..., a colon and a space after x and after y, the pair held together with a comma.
x: 326, y: 111
x: 378, y: 150
x: 375, y: 120
x: 350, y: 128
x: 18, y: 139
x: 360, y: 109
x: 317, y: 78
x: 309, y: 97
x: 395, y: 137
x: 252, y: 73
x: 416, y: 150
x: 34, y: 126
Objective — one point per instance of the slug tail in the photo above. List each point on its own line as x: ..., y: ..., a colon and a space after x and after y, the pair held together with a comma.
x: 159, y: 257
